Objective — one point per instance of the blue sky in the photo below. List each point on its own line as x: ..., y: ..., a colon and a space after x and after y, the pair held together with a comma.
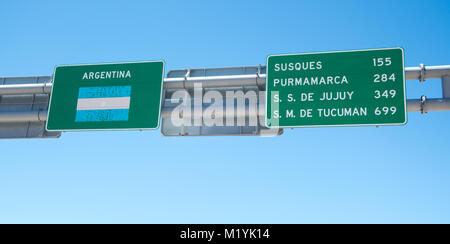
x: 393, y: 174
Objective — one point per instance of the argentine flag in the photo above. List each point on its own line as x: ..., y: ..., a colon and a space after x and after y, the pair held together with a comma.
x: 106, y: 103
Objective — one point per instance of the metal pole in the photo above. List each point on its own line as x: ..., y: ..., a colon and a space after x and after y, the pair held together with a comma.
x: 430, y: 72
x: 21, y: 89
x: 23, y: 116
x: 412, y: 73
x: 215, y: 81
x: 415, y: 105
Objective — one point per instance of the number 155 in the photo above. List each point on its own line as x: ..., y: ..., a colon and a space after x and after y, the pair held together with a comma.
x: 377, y: 62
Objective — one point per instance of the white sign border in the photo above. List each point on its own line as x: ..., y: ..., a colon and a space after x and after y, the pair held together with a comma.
x: 346, y: 125
x: 112, y: 129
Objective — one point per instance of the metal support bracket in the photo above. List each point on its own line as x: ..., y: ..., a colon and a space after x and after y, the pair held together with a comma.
x: 186, y: 76
x: 446, y: 86
x: 422, y: 73
x: 258, y: 75
x: 423, y: 99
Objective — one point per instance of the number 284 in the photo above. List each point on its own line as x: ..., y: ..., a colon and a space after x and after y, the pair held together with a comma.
x: 377, y: 78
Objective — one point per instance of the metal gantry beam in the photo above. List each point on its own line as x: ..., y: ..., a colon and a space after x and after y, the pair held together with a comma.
x: 413, y: 105
x: 411, y: 73
x: 23, y: 116
x: 433, y: 104
x: 21, y: 89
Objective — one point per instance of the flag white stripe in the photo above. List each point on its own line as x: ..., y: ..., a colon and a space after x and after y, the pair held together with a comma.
x: 103, y: 103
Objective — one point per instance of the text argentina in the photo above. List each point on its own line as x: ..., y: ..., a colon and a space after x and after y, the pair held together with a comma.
x: 100, y: 75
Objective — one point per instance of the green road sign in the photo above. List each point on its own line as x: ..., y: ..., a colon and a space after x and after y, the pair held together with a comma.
x: 363, y: 87
x: 112, y: 96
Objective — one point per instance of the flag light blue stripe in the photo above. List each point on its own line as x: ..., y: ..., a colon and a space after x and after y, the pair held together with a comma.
x: 102, y: 115
x: 104, y: 91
